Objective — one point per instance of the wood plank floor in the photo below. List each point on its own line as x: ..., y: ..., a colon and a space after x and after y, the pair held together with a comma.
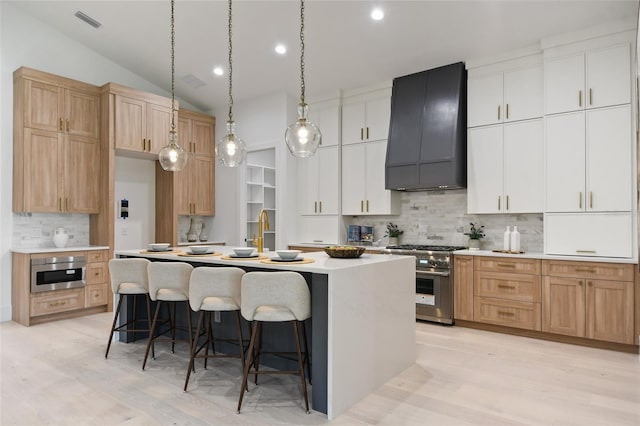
x: 56, y: 374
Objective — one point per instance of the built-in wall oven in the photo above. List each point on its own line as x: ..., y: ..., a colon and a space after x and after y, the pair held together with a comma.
x: 57, y: 273
x: 434, y: 280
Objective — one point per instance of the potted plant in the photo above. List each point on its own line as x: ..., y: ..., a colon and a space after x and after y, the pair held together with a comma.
x: 476, y: 233
x: 393, y: 233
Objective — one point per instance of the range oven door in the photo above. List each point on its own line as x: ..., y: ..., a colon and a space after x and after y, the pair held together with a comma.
x: 434, y: 297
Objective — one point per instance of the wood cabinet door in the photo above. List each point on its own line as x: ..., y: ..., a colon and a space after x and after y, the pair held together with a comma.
x: 524, y: 167
x: 43, y: 171
x: 203, y: 137
x: 202, y: 185
x: 378, y: 199
x: 158, y: 127
x: 353, y: 179
x: 42, y: 104
x: 82, y: 174
x: 327, y: 178
x: 185, y: 135
x: 564, y: 84
x: 180, y: 182
x: 484, y: 169
x: 463, y: 287
x: 565, y: 162
x: 563, y: 306
x: 609, y: 161
x: 130, y: 130
x: 484, y: 100
x: 378, y: 114
x: 81, y: 114
x: 353, y: 119
x: 523, y: 93
x: 609, y: 311
x: 608, y: 76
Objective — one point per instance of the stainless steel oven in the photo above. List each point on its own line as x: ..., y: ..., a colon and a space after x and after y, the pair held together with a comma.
x: 56, y: 273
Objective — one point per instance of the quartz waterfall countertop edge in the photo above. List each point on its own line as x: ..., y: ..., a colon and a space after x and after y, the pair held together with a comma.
x: 533, y: 255
x: 36, y: 250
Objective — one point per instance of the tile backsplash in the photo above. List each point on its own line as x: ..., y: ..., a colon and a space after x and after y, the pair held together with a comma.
x: 439, y: 217
x: 35, y: 230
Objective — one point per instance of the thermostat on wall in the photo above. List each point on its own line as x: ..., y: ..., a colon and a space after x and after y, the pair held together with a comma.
x: 124, y: 208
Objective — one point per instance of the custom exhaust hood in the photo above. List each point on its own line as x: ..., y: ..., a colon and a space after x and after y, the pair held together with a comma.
x: 427, y: 148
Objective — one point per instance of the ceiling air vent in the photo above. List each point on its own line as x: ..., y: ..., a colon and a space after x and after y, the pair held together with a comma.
x: 193, y: 81
x: 88, y: 19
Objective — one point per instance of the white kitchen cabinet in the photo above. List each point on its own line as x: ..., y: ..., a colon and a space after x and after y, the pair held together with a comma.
x: 363, y: 190
x: 588, y: 161
x: 588, y: 79
x: 505, y: 168
x: 319, y: 183
x: 366, y: 117
x: 326, y: 115
x: 319, y: 229
x: 504, y: 96
x: 588, y: 234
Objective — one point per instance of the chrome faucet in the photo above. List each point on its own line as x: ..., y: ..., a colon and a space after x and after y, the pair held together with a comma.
x: 260, y: 240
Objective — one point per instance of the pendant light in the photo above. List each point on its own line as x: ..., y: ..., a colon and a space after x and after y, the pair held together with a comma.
x: 230, y: 150
x: 172, y: 157
x: 302, y: 137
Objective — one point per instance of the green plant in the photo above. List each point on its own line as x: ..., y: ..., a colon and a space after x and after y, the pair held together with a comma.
x: 392, y: 230
x: 475, y: 233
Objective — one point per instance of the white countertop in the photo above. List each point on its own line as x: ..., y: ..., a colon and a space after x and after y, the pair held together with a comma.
x: 543, y: 256
x: 56, y: 249
x: 201, y: 243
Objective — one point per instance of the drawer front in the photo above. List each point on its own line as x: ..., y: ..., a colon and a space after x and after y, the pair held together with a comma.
x: 595, y: 270
x: 96, y: 295
x: 97, y: 256
x: 500, y: 264
x: 96, y: 272
x: 57, y: 301
x: 508, y: 313
x: 522, y: 287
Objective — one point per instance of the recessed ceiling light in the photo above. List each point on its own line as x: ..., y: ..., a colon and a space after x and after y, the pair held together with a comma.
x: 281, y: 49
x: 377, y: 14
x: 218, y: 71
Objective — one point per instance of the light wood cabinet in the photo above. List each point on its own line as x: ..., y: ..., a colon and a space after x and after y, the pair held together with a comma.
x: 592, y: 300
x: 463, y: 287
x: 505, y: 168
x: 57, y: 157
x: 366, y: 117
x: 141, y: 126
x: 588, y: 79
x: 506, y: 95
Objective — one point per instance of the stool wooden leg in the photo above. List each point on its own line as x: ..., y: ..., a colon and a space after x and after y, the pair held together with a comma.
x: 113, y: 326
x: 135, y: 317
x: 207, y: 335
x: 172, y: 321
x: 194, y: 348
x: 248, y: 363
x: 307, y: 360
x: 189, y: 322
x: 257, y: 357
x: 151, y: 333
x: 300, y: 365
x: 153, y: 346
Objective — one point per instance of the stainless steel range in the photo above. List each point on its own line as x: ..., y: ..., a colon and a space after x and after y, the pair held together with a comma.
x: 434, y: 280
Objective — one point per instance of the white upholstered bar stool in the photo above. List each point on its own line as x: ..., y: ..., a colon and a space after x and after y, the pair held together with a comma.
x: 129, y: 278
x: 274, y: 297
x: 168, y: 282
x: 214, y: 289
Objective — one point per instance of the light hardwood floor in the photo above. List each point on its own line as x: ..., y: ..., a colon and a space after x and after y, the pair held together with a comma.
x: 56, y: 374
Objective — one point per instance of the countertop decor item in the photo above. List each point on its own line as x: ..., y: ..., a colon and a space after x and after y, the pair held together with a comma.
x: 476, y: 233
x: 203, y: 232
x: 60, y: 237
x: 192, y: 235
x: 393, y: 232
x: 230, y: 150
x: 302, y: 137
x: 344, y: 252
x: 172, y: 157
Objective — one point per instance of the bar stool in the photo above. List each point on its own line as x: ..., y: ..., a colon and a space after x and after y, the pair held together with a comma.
x: 129, y: 278
x: 168, y: 282
x: 214, y: 289
x: 274, y: 297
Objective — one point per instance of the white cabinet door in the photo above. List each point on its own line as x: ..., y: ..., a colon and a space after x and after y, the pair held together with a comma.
x: 378, y: 114
x: 378, y: 198
x: 608, y: 76
x: 524, y: 167
x: 609, y: 162
x: 565, y: 162
x: 308, y: 169
x: 484, y: 100
x: 327, y: 118
x: 327, y: 177
x: 353, y: 179
x: 319, y: 229
x: 564, y: 82
x: 484, y: 169
x: 353, y: 118
x: 523, y: 94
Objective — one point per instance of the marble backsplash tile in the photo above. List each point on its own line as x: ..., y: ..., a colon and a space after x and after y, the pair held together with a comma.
x: 439, y: 217
x: 35, y: 230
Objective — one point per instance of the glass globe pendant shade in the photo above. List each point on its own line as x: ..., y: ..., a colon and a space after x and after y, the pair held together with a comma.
x: 172, y: 157
x: 303, y: 137
x: 231, y: 150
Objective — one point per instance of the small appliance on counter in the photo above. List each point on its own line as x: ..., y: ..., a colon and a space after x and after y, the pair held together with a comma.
x: 360, y: 234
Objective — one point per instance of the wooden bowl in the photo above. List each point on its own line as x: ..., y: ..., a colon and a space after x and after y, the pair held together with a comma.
x: 344, y: 252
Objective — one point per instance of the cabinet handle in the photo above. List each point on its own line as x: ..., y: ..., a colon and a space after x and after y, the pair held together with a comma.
x: 498, y: 202
x: 320, y: 202
x: 66, y: 204
x: 590, y: 96
x: 585, y: 251
x: 507, y: 265
x: 507, y: 202
x: 507, y: 117
x: 144, y: 144
x: 580, y: 201
x: 361, y: 133
x: 367, y: 133
x: 67, y: 124
x: 580, y: 283
x: 510, y: 287
x: 149, y: 145
x: 579, y: 98
x: 315, y: 207
x: 367, y: 205
x: 361, y: 205
x: 194, y: 147
x: 589, y: 283
x: 590, y: 270
x: 498, y: 112
x: 60, y: 124
x: 590, y: 199
x: 505, y: 313
x: 59, y: 204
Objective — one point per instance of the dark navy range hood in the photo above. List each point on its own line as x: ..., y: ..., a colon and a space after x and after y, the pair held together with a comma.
x: 427, y: 148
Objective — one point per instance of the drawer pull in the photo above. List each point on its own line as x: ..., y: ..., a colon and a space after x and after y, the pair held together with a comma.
x: 509, y: 287
x: 590, y: 270
x: 507, y: 265
x: 507, y: 314
x: 585, y: 251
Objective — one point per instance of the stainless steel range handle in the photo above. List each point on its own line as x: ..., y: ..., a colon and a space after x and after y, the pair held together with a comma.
x: 432, y: 273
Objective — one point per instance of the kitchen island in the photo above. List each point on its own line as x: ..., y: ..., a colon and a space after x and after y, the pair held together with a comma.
x: 362, y: 324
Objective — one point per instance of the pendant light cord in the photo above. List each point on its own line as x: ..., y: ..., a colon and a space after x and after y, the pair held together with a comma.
x: 173, y: 71
x: 230, y: 67
x: 302, y: 86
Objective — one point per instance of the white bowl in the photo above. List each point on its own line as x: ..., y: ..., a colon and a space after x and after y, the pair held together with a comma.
x: 243, y: 251
x: 159, y: 246
x: 199, y: 249
x: 288, y: 254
